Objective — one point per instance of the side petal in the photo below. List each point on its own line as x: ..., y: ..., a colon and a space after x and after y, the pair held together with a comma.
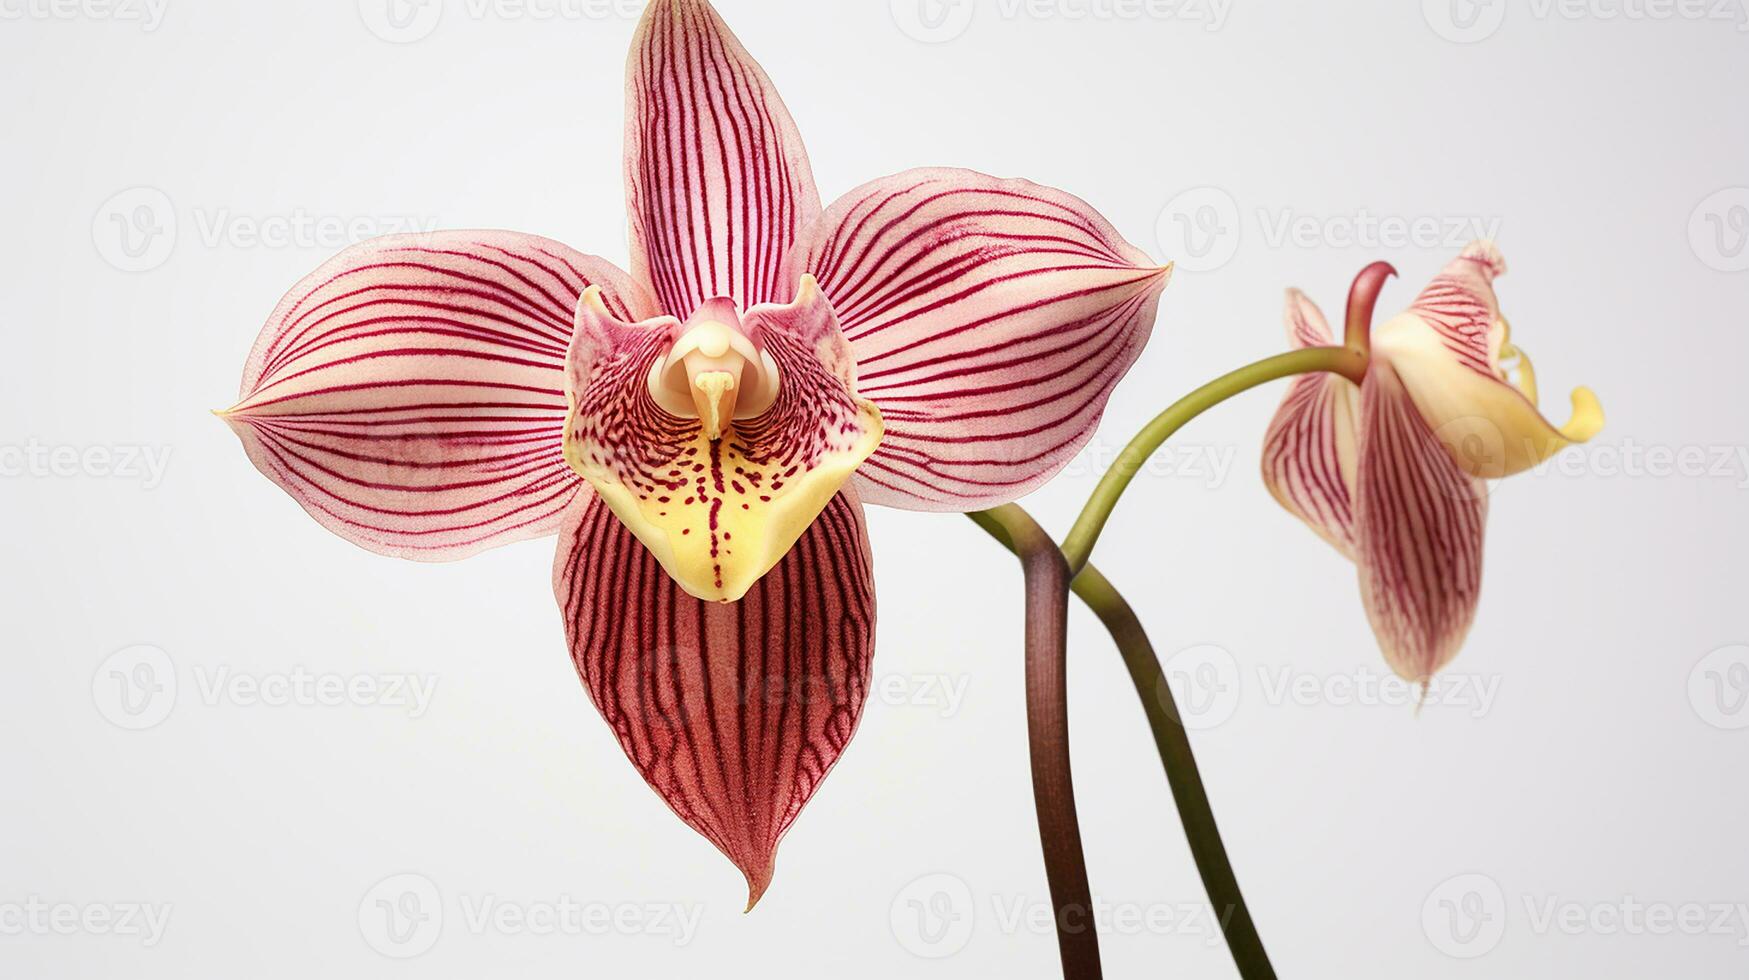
x: 1448, y: 349
x: 410, y: 393
x: 733, y: 713
x: 717, y: 179
x: 718, y: 513
x: 1309, y: 456
x: 990, y: 320
x: 1462, y: 310
x: 1419, y: 527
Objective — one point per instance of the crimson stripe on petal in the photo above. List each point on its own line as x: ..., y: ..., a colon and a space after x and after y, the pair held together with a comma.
x: 1420, y: 523
x: 717, y: 178
x: 1309, y: 452
x: 410, y: 393
x: 990, y: 320
x: 1462, y: 308
x: 732, y: 712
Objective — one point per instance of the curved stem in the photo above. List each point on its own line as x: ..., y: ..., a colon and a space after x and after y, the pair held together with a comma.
x: 1078, y: 546
x: 1173, y: 744
x: 1047, y: 719
x: 1182, y: 774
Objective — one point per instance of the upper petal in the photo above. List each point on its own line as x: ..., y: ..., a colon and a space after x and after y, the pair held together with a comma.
x: 734, y: 713
x: 990, y: 320
x: 718, y: 513
x: 717, y: 179
x: 1419, y: 528
x: 1448, y: 349
x: 410, y: 392
x: 1309, y: 454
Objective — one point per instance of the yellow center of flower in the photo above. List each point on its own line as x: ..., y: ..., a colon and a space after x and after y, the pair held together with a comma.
x: 757, y: 430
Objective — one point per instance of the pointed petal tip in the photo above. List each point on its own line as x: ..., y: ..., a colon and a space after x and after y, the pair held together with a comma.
x: 758, y: 881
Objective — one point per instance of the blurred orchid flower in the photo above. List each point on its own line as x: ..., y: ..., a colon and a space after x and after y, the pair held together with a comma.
x: 1391, y: 471
x: 701, y: 431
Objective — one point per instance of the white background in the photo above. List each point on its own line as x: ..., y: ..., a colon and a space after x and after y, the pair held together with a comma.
x: 1605, y: 773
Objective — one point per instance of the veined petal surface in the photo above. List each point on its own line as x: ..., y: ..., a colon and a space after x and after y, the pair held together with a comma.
x: 410, y: 393
x: 718, y: 513
x: 1309, y: 453
x: 1420, y: 522
x: 1448, y: 348
x: 990, y: 320
x: 717, y: 178
x: 735, y: 712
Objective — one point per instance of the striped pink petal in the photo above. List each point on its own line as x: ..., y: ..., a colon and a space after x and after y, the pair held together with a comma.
x: 1419, y: 527
x: 1462, y: 309
x: 734, y: 712
x: 717, y: 179
x: 1309, y: 452
x: 990, y: 320
x: 410, y: 393
x: 1452, y: 350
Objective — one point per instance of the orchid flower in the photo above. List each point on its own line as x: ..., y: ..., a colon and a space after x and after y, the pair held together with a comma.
x: 702, y: 431
x: 1391, y: 471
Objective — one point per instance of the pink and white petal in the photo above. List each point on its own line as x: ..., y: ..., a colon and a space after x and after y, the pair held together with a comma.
x: 990, y: 320
x: 718, y: 513
x: 1420, y: 522
x: 1306, y: 325
x: 717, y: 178
x: 1448, y: 350
x: 733, y: 713
x: 1461, y: 308
x: 1309, y: 456
x: 410, y: 393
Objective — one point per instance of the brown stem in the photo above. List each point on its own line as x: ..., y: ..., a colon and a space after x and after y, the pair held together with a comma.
x: 1047, y: 718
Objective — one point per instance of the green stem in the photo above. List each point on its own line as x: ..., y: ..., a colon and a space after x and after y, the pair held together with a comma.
x: 1173, y: 744
x: 1078, y: 546
x: 1188, y: 792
